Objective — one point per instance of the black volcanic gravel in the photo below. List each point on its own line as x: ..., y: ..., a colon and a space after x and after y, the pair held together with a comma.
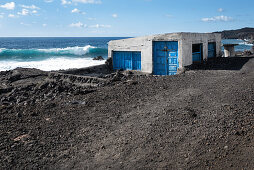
x: 200, y: 119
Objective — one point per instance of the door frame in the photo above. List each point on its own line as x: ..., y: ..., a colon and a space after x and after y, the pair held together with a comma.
x: 214, y: 43
x: 166, y: 56
x: 123, y: 64
x: 201, y: 53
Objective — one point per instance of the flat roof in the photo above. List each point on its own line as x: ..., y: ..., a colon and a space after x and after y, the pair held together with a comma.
x: 175, y: 36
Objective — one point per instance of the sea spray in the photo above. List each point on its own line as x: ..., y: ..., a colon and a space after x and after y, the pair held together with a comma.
x: 51, y: 59
x: 42, y: 54
x: 51, y: 64
x: 52, y: 53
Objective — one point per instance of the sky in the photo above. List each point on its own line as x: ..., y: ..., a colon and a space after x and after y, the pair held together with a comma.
x: 120, y: 18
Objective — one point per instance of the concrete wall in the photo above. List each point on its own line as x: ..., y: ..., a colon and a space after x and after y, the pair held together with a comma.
x: 197, y: 38
x: 185, y: 41
x: 143, y: 44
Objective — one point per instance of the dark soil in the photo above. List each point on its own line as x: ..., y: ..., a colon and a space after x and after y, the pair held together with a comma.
x: 201, y: 119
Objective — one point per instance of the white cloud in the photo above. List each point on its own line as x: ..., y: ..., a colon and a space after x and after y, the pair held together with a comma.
x: 1, y: 16
x: 44, y: 25
x: 114, y: 15
x: 12, y: 16
x: 34, y: 12
x: 75, y: 10
x: 78, y: 25
x: 65, y: 2
x: 217, y: 18
x: 30, y: 7
x: 87, y: 1
x: 8, y: 6
x: 48, y: 1
x: 220, y: 10
x: 100, y: 26
x: 24, y: 12
x: 81, y: 25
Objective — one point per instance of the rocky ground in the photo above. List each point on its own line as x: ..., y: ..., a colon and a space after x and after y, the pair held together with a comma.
x: 200, y: 119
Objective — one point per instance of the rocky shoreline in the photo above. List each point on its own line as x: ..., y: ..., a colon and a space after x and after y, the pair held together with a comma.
x: 243, y: 33
x: 94, y: 118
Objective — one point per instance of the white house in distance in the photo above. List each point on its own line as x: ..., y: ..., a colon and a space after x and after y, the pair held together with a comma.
x: 164, y: 54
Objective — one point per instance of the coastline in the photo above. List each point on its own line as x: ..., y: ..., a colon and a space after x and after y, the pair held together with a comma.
x: 48, y: 55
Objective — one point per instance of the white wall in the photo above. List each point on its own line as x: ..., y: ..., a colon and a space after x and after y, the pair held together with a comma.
x: 185, y: 41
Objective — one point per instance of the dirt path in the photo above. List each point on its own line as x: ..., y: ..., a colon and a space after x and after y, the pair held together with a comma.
x: 202, y: 119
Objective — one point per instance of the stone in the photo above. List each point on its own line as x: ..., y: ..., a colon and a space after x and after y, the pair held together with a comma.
x: 98, y: 58
x: 22, y: 138
x: 109, y: 63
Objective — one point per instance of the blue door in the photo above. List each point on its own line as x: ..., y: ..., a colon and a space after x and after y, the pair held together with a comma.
x: 136, y: 61
x: 126, y: 60
x: 211, y: 50
x: 118, y: 60
x: 165, y: 57
x: 197, y: 53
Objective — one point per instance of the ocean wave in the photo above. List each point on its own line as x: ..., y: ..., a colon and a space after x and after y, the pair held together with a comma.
x: 68, y: 50
x: 51, y: 64
x: 35, y: 54
x: 245, y: 43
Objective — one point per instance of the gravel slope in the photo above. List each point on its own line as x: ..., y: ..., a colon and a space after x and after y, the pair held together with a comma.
x: 201, y: 119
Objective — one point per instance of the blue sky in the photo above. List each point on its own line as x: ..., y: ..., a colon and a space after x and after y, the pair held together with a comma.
x: 89, y: 18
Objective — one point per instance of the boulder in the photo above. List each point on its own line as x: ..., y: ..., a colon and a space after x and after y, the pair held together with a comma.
x: 109, y: 63
x: 98, y: 58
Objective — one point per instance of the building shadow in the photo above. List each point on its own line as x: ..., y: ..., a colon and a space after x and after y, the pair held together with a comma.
x: 221, y: 63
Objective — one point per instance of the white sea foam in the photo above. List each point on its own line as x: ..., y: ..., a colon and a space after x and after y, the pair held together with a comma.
x: 245, y: 43
x: 51, y: 51
x: 70, y: 50
x: 51, y: 64
x: 1, y: 49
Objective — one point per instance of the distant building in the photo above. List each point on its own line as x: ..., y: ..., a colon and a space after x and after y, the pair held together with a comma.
x: 164, y: 54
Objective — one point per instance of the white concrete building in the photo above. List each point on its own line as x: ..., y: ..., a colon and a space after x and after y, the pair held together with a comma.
x: 164, y: 54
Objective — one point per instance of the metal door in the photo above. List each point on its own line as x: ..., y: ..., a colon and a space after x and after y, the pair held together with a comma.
x: 211, y: 50
x: 118, y: 60
x: 126, y: 60
x: 197, y: 53
x: 136, y: 60
x: 165, y: 57
x: 172, y: 55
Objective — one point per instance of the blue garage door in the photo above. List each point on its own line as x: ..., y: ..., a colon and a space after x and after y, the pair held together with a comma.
x: 197, y: 53
x: 165, y: 57
x: 126, y: 60
x: 211, y: 50
x: 136, y: 60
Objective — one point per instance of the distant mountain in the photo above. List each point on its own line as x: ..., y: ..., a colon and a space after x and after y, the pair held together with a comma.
x: 244, y: 33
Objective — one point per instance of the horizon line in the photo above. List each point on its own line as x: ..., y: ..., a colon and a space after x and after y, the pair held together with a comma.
x: 63, y: 37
